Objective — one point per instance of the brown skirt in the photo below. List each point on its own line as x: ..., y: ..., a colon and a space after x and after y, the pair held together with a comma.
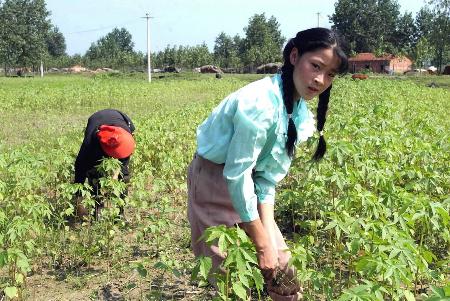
x: 210, y: 205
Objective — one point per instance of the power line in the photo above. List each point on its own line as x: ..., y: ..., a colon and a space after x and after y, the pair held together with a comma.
x: 105, y: 27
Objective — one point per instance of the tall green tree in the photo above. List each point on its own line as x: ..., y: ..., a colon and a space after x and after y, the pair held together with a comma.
x: 440, y: 34
x: 263, y: 40
x: 121, y: 38
x: 225, y: 51
x: 115, y: 50
x: 405, y: 33
x: 200, y: 56
x: 423, y: 52
x: 56, y: 43
x: 346, y: 20
x: 368, y: 25
x: 23, y: 29
x: 169, y: 56
x: 262, y: 44
x: 183, y: 57
x: 423, y: 23
x: 111, y: 45
x: 433, y: 32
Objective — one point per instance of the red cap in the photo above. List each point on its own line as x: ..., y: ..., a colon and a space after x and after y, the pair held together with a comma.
x: 115, y: 141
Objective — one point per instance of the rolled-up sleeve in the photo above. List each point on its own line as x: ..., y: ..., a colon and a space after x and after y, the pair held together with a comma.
x: 251, y: 122
x: 264, y: 188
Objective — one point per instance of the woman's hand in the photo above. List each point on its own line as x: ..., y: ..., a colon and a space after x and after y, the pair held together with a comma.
x: 267, y: 256
x: 268, y: 262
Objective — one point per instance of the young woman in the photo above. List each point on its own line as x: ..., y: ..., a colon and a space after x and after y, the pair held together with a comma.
x: 246, y: 145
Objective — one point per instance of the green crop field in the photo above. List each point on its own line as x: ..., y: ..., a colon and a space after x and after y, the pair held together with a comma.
x: 370, y: 222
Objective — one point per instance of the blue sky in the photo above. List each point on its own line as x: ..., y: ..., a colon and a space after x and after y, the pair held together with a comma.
x: 184, y: 22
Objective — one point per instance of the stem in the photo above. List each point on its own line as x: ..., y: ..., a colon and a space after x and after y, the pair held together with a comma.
x: 226, y: 284
x: 292, y: 215
x: 12, y: 273
x: 349, y: 271
x: 417, y: 270
x: 335, y: 236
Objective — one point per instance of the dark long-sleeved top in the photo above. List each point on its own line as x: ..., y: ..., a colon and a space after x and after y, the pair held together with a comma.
x: 90, y: 151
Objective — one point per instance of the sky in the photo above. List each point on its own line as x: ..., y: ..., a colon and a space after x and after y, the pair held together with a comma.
x: 185, y: 22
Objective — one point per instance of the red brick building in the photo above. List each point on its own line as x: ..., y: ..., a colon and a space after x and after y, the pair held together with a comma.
x: 385, y: 64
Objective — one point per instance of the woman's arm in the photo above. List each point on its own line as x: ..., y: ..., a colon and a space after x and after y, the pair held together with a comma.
x: 266, y: 213
x: 262, y: 233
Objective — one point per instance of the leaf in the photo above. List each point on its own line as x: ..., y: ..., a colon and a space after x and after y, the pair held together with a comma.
x: 19, y: 278
x: 211, y: 234
x: 248, y: 256
x: 258, y: 278
x: 355, y: 245
x: 3, y: 258
x: 205, y: 267
x: 243, y: 279
x: 141, y: 270
x: 222, y: 243
x: 239, y: 290
x: 359, y: 292
x: 339, y: 183
x: 438, y: 291
x: 241, y: 234
x: 444, y: 215
x: 161, y: 265
x: 338, y: 233
x: 366, y: 264
x: 69, y: 211
x: 240, y: 262
x: 394, y: 253
x: 409, y: 296
x: 202, y: 269
x: 23, y: 264
x: 447, y: 290
x: 331, y: 225
x: 428, y: 256
x: 221, y: 289
x: 11, y: 292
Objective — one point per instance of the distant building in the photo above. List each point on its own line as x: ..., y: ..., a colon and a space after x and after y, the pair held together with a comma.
x: 385, y: 64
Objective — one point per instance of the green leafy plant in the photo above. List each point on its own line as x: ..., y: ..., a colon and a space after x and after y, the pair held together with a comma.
x: 238, y: 274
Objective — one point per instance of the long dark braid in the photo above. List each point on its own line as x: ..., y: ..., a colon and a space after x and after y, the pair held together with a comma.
x: 322, y: 108
x: 288, y: 98
x: 305, y: 41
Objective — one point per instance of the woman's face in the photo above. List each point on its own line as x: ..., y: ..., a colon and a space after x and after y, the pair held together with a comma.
x: 313, y: 71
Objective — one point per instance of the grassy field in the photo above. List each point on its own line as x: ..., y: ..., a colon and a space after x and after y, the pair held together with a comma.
x: 432, y: 81
x: 41, y: 107
x: 371, y: 221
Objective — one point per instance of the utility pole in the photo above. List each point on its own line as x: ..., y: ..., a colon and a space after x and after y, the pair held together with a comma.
x: 149, y: 69
x: 318, y: 15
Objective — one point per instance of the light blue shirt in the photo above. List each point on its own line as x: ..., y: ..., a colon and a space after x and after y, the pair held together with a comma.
x: 247, y: 131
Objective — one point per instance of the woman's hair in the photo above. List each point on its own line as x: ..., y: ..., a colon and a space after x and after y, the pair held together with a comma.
x: 307, y: 41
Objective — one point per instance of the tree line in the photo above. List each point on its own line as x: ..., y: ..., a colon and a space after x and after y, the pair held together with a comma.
x: 378, y: 26
x: 262, y: 44
x: 27, y: 38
